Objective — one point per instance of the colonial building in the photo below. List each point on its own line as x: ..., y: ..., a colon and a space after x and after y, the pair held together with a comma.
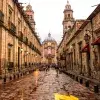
x: 49, y: 47
x: 20, y: 45
x: 80, y: 47
x: 70, y: 25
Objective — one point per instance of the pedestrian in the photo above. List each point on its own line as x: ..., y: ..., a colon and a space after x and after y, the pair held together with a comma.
x: 48, y: 67
x: 36, y: 75
x: 57, y: 70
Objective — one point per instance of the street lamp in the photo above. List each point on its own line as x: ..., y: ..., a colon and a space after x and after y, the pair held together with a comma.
x: 21, y: 49
x: 27, y: 52
x: 86, y: 38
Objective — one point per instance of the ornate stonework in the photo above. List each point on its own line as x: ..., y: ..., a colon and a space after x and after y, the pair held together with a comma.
x: 68, y: 18
x: 49, y: 47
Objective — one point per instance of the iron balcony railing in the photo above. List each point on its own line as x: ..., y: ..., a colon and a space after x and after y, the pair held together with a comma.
x: 20, y: 36
x: 30, y: 44
x: 25, y: 40
x: 12, y: 27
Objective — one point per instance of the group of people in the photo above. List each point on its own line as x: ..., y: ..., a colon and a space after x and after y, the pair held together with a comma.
x: 46, y: 67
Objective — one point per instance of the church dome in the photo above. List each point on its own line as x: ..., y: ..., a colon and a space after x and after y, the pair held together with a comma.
x: 49, y: 38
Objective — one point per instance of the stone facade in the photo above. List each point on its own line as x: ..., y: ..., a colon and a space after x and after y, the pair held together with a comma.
x: 20, y: 46
x: 81, y: 47
x: 49, y: 47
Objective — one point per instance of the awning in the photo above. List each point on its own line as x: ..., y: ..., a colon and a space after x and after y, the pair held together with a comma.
x: 85, y: 48
x: 96, y: 42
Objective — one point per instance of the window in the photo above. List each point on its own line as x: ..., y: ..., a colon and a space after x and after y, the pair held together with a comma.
x: 31, y: 17
x: 25, y: 30
x: 68, y: 15
x: 10, y: 15
x: 49, y: 43
x: 9, y: 54
x: 69, y: 27
x: 19, y: 24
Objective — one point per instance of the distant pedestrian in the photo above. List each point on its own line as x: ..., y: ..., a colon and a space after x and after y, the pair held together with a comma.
x: 57, y: 70
x: 36, y: 75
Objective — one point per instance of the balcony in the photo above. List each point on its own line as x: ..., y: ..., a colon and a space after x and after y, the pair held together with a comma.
x: 12, y: 27
x: 1, y: 18
x: 34, y: 48
x: 30, y: 44
x: 20, y: 36
x: 25, y: 40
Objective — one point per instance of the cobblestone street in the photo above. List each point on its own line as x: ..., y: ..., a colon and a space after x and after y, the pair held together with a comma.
x: 48, y: 84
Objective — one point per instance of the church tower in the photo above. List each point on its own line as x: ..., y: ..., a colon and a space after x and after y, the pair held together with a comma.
x: 30, y: 16
x: 68, y: 21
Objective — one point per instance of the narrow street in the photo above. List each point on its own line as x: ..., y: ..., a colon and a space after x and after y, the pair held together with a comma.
x: 48, y: 84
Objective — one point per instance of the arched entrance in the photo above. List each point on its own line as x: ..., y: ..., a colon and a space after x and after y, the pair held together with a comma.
x: 50, y: 61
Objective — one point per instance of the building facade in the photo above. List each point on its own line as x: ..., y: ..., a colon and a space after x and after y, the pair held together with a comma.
x: 20, y: 45
x: 70, y: 25
x: 49, y: 47
x: 81, y: 47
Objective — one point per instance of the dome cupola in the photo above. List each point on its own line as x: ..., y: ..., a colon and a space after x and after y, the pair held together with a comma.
x: 49, y: 38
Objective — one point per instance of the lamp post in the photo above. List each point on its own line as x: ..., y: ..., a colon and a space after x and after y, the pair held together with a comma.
x: 87, y: 38
x: 21, y: 50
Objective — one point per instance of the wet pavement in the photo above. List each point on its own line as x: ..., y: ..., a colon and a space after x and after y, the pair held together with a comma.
x: 48, y: 83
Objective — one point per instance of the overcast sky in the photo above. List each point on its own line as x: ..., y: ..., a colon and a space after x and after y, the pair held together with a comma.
x: 49, y: 14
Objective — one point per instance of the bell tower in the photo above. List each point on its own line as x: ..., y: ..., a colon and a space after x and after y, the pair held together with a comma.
x: 68, y: 20
x: 30, y: 15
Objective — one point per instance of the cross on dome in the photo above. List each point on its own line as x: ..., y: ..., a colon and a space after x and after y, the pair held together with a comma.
x: 67, y: 2
x: 49, y: 35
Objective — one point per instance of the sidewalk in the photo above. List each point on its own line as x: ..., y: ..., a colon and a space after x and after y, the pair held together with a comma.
x: 93, y: 84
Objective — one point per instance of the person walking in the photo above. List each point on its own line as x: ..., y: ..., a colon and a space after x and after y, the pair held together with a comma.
x: 57, y: 70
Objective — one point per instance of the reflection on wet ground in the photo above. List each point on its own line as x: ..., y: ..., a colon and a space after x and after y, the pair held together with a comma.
x: 42, y: 86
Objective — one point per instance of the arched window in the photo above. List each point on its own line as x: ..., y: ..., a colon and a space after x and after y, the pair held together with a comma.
x: 68, y: 15
x: 69, y: 27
